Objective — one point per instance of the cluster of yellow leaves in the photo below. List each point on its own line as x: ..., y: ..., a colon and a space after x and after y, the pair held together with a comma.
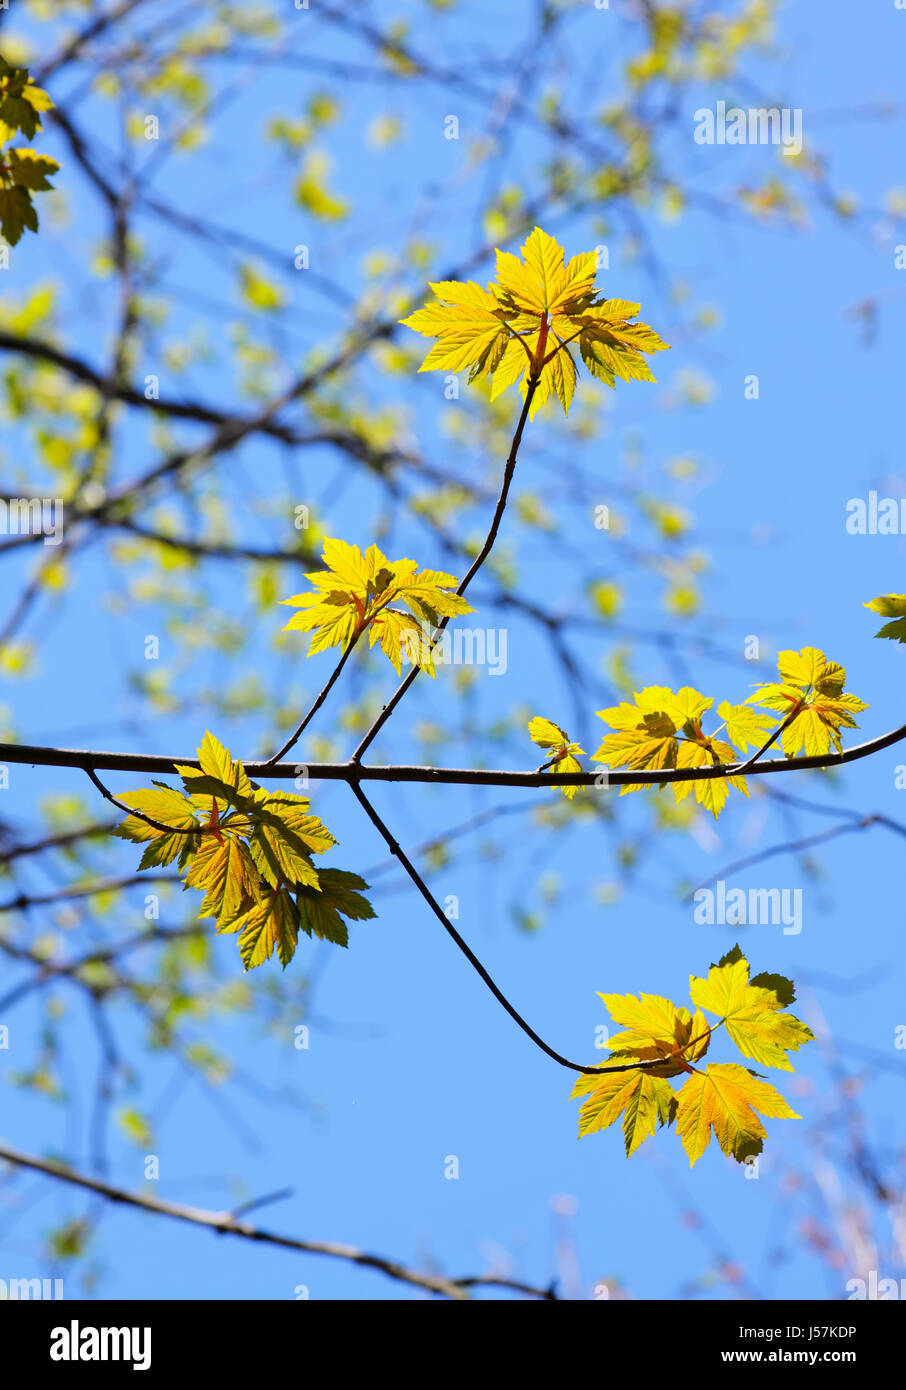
x: 663, y: 728
x: 250, y: 852
x: 519, y: 329
x: 890, y: 606
x: 811, y: 697
x: 722, y: 1098
x: 22, y: 171
x: 356, y: 592
x: 563, y: 753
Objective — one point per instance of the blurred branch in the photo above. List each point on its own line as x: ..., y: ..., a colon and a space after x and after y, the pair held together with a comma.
x: 225, y: 1223
x: 82, y: 890
x: 62, y: 840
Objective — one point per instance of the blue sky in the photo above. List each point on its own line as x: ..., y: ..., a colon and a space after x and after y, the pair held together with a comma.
x: 410, y: 1059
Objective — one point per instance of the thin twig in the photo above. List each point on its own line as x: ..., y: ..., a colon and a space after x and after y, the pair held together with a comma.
x: 476, y: 565
x: 794, y: 847
x: 62, y: 840
x: 83, y: 890
x: 140, y: 815
x: 317, y: 704
x: 750, y: 762
x: 470, y: 955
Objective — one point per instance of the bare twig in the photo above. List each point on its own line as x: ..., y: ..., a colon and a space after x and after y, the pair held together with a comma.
x: 300, y: 730
x: 476, y: 565
x: 140, y: 815
x: 756, y: 756
x: 797, y: 846
x: 476, y: 964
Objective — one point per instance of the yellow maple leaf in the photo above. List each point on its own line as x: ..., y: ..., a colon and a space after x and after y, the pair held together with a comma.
x: 655, y: 1027
x: 746, y: 727
x: 752, y: 1011
x: 724, y: 1099
x: 643, y: 1100
x: 810, y: 697
x: 711, y: 792
x: 216, y: 765
x: 663, y: 729
x: 223, y: 868
x: 645, y: 737
x: 551, y: 736
x: 647, y: 1019
x: 355, y: 592
x: 520, y: 328
x: 271, y: 924
x: 249, y: 852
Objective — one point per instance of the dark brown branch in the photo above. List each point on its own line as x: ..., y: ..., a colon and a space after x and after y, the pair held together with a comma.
x: 215, y: 550
x: 40, y: 350
x: 37, y: 755
x: 107, y: 955
x: 93, y: 30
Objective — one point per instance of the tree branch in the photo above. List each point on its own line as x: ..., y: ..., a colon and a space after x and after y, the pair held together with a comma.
x: 847, y: 827
x: 83, y: 890
x: 37, y: 755
x: 784, y: 724
x: 62, y: 840
x: 225, y: 1223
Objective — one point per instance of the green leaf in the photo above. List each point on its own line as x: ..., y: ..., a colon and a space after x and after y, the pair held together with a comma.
x: 16, y: 213
x: 890, y: 606
x: 30, y: 170
x: 319, y: 912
